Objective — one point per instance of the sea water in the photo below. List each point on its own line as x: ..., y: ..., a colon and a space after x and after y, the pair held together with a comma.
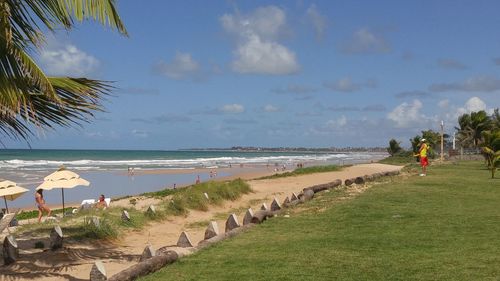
x: 107, y: 170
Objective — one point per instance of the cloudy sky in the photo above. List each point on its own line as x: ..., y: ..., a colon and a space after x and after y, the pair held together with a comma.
x: 279, y: 73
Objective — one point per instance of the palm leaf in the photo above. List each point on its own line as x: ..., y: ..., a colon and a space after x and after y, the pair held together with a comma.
x: 27, y: 96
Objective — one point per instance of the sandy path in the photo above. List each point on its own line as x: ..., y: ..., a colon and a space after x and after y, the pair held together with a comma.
x: 75, y: 261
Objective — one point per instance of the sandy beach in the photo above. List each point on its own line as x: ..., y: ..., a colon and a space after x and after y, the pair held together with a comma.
x: 75, y: 260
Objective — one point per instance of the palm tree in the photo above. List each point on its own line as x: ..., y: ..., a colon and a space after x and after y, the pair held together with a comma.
x: 28, y: 98
x: 491, y: 149
x: 471, y: 127
x: 394, y: 147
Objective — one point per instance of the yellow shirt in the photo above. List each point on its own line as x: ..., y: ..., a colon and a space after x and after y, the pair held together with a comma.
x: 423, y: 150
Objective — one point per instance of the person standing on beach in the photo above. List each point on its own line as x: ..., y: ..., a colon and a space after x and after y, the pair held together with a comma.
x: 40, y: 203
x: 422, y: 153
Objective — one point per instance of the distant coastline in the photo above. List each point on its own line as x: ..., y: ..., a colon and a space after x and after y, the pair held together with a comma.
x: 292, y: 149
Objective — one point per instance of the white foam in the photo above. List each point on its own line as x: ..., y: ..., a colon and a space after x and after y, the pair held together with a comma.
x: 87, y: 164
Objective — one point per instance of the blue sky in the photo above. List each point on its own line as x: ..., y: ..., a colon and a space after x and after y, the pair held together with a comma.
x: 272, y: 73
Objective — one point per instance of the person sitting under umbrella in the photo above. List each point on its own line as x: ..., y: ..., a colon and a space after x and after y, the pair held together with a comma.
x: 40, y: 203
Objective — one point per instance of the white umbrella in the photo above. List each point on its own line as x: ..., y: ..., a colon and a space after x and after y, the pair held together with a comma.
x: 10, y: 191
x: 62, y: 179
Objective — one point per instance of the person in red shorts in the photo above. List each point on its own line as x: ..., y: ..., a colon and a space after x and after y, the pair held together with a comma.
x: 422, y: 152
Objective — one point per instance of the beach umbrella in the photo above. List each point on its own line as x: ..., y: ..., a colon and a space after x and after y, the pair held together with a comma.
x: 10, y: 191
x: 62, y: 179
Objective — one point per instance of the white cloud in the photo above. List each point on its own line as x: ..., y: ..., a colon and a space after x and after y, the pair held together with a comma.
x: 346, y: 85
x: 257, y: 49
x: 365, y: 41
x: 444, y: 103
x: 67, y: 60
x: 270, y: 108
x: 452, y: 112
x: 451, y: 64
x: 295, y: 89
x: 473, y: 104
x: 232, y: 108
x: 473, y: 84
x: 338, y: 123
x: 182, y: 66
x: 318, y: 21
x: 140, y: 133
x: 407, y: 115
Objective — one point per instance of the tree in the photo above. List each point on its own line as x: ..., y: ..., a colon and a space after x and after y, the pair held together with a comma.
x: 471, y: 127
x: 394, y: 147
x: 491, y: 149
x: 28, y: 97
x: 433, y: 140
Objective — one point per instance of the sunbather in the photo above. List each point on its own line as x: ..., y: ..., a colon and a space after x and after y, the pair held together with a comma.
x: 40, y: 203
x: 101, y: 203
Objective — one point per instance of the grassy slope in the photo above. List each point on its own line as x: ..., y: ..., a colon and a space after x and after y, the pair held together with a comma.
x: 441, y: 227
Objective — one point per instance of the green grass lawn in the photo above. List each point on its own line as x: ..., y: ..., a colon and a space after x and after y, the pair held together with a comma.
x: 445, y: 226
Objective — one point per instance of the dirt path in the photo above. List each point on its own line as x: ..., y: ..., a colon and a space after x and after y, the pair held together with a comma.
x: 75, y: 260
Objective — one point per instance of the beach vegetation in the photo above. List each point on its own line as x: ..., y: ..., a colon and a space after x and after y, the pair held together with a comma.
x: 28, y: 97
x: 491, y: 150
x: 440, y: 227
x: 193, y: 196
x: 394, y: 147
x: 304, y: 171
x: 471, y: 128
x: 402, y: 158
x: 433, y: 140
x: 23, y: 215
x: 104, y: 229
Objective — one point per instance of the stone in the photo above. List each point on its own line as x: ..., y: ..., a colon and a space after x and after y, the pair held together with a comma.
x: 248, y: 216
x: 10, y: 250
x: 275, y: 206
x: 184, y: 241
x: 50, y: 219
x: 148, y: 253
x: 56, y: 238
x: 349, y: 182
x: 232, y: 223
x: 206, y: 195
x: 287, y: 200
x: 212, y: 230
x: 286, y: 216
x: 359, y: 180
x: 95, y: 221
x: 98, y: 272
x: 163, y: 250
x: 264, y: 207
x: 151, y: 210
x: 294, y: 197
x: 125, y: 216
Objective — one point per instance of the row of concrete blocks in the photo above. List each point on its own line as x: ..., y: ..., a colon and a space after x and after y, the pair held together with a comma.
x: 98, y: 271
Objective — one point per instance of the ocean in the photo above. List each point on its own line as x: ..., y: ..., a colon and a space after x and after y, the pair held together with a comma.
x: 107, y: 169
